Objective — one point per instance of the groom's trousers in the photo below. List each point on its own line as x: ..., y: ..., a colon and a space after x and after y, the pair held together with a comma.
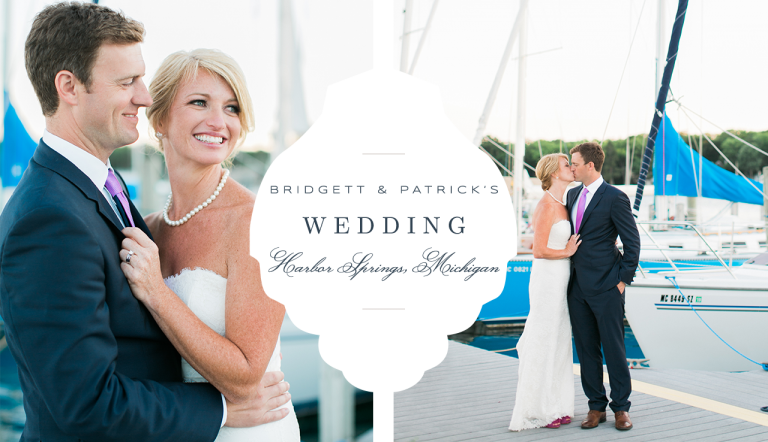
x: 599, y: 319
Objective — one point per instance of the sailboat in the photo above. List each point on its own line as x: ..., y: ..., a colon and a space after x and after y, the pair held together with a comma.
x: 679, y: 316
x: 678, y: 170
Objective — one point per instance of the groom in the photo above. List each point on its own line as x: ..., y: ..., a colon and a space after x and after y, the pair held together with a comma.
x: 599, y: 274
x: 92, y: 362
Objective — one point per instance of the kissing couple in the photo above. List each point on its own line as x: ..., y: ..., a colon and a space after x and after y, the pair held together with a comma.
x: 123, y: 328
x: 578, y: 278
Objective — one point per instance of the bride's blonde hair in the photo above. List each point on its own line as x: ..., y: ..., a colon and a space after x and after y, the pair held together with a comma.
x: 547, y: 165
x: 181, y: 67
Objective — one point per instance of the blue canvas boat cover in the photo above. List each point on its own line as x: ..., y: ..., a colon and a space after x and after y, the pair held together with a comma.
x: 18, y: 146
x: 676, y: 171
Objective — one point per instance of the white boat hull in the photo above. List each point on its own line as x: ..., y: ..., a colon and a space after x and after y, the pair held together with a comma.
x: 671, y: 335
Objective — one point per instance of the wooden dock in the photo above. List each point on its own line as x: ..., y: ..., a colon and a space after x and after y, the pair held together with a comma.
x: 470, y: 396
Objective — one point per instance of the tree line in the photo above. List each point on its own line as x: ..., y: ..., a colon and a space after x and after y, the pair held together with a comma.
x: 749, y: 161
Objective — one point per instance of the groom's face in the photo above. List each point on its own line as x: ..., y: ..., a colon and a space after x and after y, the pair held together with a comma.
x: 580, y: 170
x: 108, y: 112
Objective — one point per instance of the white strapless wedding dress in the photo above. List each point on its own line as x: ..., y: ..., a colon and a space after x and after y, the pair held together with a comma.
x: 545, y: 389
x: 203, y: 291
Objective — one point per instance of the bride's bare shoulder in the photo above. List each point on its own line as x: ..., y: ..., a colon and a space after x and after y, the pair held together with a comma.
x: 545, y: 207
x: 153, y: 222
x: 242, y: 196
x: 237, y: 232
x: 543, y: 212
x: 239, y: 213
x: 151, y: 218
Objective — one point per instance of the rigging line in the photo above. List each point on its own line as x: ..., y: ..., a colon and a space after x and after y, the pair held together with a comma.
x: 720, y: 213
x: 508, y: 153
x: 670, y: 58
x: 647, y: 158
x: 674, y: 283
x: 725, y: 131
x: 560, y: 126
x: 537, y: 53
x: 557, y: 108
x: 494, y: 159
x: 411, y: 32
x: 628, y: 153
x: 693, y: 166
x: 681, y: 14
x: 512, y: 111
x: 701, y: 78
x: 626, y: 62
x: 725, y: 157
x: 423, y: 37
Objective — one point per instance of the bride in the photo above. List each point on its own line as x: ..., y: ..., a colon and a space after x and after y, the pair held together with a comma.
x: 214, y: 309
x: 545, y: 392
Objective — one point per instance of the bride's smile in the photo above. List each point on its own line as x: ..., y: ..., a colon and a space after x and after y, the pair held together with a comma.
x: 204, y: 123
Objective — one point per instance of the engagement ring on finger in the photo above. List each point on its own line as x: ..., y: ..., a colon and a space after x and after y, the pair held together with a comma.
x: 128, y: 257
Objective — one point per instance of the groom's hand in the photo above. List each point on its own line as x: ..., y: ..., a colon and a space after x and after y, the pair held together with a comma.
x: 621, y: 287
x: 260, y: 409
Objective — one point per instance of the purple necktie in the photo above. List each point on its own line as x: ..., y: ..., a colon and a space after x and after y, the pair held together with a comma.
x: 580, y: 209
x: 114, y: 188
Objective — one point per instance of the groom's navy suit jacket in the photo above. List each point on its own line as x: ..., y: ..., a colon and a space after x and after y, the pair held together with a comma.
x: 597, y: 263
x: 93, y: 364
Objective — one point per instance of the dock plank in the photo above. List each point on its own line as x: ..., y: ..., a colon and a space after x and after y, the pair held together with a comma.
x: 471, y: 394
x: 747, y: 390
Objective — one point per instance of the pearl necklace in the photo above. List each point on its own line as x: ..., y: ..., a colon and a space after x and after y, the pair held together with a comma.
x: 553, y: 197
x: 192, y: 212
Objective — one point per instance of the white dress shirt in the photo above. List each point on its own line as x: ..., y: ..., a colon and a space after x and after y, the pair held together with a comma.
x: 97, y: 172
x: 592, y: 189
x: 91, y: 166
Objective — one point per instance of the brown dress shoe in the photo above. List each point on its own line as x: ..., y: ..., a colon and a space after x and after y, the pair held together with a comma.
x: 594, y: 418
x: 622, y: 421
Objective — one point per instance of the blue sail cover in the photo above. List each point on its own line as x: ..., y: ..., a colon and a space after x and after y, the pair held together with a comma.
x: 674, y: 173
x: 18, y: 146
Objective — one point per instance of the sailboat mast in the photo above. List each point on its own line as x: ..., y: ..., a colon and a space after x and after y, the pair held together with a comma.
x: 405, y: 52
x: 658, y: 112
x: 292, y: 116
x: 627, y: 170
x: 659, y: 46
x: 519, y: 30
x: 765, y: 200
x: 522, y: 64
x: 6, y: 50
x: 499, y: 76
x: 423, y: 37
x: 701, y: 122
x: 660, y: 7
x: 5, y: 71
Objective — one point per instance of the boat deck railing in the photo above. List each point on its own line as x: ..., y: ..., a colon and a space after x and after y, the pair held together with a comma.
x: 643, y: 225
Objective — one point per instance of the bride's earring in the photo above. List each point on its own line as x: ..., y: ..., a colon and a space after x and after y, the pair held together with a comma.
x: 158, y: 135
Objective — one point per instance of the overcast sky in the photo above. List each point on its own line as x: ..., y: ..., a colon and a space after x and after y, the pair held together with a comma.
x: 570, y: 90
x: 336, y: 44
x: 721, y: 67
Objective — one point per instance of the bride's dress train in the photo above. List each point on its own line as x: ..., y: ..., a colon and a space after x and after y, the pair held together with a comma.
x: 545, y: 390
x: 203, y: 291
